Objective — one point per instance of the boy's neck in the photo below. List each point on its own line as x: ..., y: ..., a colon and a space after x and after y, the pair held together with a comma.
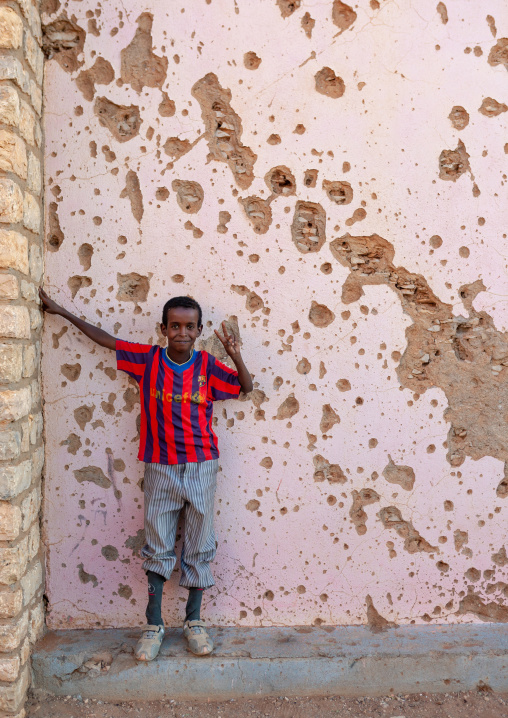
x: 179, y: 357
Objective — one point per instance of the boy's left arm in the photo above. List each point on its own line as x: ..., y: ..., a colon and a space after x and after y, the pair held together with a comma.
x: 232, y: 347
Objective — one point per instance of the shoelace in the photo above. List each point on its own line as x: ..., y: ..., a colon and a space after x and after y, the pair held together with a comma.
x: 151, y: 634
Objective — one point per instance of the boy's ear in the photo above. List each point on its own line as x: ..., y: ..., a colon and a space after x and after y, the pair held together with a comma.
x: 163, y: 329
x: 200, y: 329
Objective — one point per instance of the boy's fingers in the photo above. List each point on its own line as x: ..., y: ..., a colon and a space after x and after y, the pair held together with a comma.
x: 225, y: 330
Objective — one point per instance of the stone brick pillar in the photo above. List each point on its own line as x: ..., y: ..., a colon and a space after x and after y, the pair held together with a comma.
x: 21, y: 267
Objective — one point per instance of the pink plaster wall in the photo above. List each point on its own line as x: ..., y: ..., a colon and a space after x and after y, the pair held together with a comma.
x: 289, y: 551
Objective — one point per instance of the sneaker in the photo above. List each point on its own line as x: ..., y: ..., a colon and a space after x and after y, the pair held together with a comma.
x: 198, y: 640
x: 149, y: 644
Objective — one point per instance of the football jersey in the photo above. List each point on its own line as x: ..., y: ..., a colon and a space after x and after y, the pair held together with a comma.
x: 176, y: 406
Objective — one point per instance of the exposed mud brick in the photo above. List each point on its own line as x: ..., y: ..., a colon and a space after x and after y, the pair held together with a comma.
x: 167, y: 107
x: 281, y: 181
x: 189, y: 195
x: 308, y: 24
x: 132, y: 191
x: 64, y: 39
x: 224, y: 218
x: 329, y: 84
x: 377, y: 623
x: 140, y: 67
x: 55, y: 234
x: 251, y: 60
x: 486, y: 611
x: 13, y: 251
x: 288, y: 408
x: 399, y: 474
x: 310, y: 178
x: 342, y: 15
x: 132, y: 287
x: 288, y: 7
x: 391, y: 518
x: 453, y: 163
x: 85, y: 253
x: 12, y: 154
x: 492, y: 108
x: 121, y: 120
x: 499, y: 53
x: 324, y: 471
x: 308, y: 229
x: 442, y: 12
x: 320, y: 315
x: 223, y: 129
x: 78, y: 282
x: 93, y: 474
x: 328, y: 419
x: 101, y: 73
x: 253, y: 301
x: 11, y: 201
x: 259, y: 213
x: 459, y: 117
x: 338, y: 192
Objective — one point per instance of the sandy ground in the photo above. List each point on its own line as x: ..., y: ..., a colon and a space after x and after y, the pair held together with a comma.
x: 477, y: 704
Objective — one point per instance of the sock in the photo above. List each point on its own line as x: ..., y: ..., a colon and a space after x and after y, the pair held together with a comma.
x: 153, y: 610
x: 193, y: 608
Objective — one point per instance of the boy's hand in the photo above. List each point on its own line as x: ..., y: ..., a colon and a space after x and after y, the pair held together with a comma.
x: 229, y: 342
x: 48, y: 304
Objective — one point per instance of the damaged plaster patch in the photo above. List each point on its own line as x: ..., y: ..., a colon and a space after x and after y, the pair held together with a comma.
x: 55, y: 235
x: 308, y: 23
x: 253, y: 301
x: 329, y: 84
x: 140, y: 67
x: 324, y: 471
x: 121, y: 120
x: 453, y: 163
x: 399, y: 474
x: 132, y: 191
x: 223, y: 129
x: 342, y: 15
x: 288, y: 7
x: 85, y: 253
x: 132, y: 287
x: 93, y: 474
x: 320, y: 315
x: 377, y: 623
x: 328, y: 419
x: 64, y: 40
x: 281, y: 181
x: 259, y: 213
x: 459, y: 117
x: 391, y: 518
x: 485, y: 611
x: 498, y: 55
x: 167, y: 107
x: 308, y: 229
x: 85, y: 577
x: 358, y: 516
x: 491, y: 107
x: 288, y: 408
x: 189, y: 195
x: 338, y: 192
x: 251, y: 61
x: 101, y: 73
x: 78, y: 282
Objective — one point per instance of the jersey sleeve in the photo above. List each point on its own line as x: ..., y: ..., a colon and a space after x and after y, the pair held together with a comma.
x: 131, y: 358
x: 223, y: 382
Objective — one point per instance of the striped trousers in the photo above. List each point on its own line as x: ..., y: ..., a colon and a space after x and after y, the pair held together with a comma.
x: 169, y: 490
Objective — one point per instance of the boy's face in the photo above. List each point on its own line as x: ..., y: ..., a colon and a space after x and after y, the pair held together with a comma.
x: 182, y: 329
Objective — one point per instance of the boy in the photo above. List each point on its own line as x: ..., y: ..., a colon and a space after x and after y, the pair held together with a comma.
x: 178, y: 386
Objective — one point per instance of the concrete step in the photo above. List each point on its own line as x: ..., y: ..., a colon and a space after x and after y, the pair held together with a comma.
x: 301, y: 661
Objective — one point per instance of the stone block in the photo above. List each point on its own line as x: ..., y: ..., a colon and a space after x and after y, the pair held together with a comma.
x: 9, y: 286
x: 10, y: 447
x: 14, y: 321
x: 34, y: 181
x: 11, y: 201
x: 30, y: 508
x: 34, y: 56
x: 16, y: 479
x: 11, y: 602
x: 13, y: 561
x: 10, y: 521
x: 28, y: 291
x: 36, y: 623
x: 9, y: 669
x: 35, y: 318
x: 36, y: 96
x: 15, y: 404
x: 34, y: 541
x: 37, y: 463
x: 31, y: 582
x: 36, y: 426
x: 13, y: 251
x: 35, y: 388
x: 31, y: 213
x: 36, y: 263
x: 11, y: 29
x: 11, y: 363
x: 24, y: 651
x: 12, y: 69
x: 12, y: 153
x: 29, y: 360
x: 9, y: 106
x: 27, y: 123
x: 25, y: 436
x: 13, y: 696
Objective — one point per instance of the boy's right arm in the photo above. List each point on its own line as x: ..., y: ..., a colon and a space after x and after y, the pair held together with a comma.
x: 99, y: 336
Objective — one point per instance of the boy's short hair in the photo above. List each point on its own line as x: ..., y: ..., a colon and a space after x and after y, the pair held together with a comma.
x: 185, y: 303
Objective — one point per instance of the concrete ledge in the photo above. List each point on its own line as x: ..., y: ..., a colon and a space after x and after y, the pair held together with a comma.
x: 348, y: 661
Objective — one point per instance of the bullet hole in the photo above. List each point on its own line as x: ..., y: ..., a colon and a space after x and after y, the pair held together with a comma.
x: 464, y: 252
x: 71, y: 371
x: 338, y: 192
x: 301, y: 590
x: 224, y: 218
x: 97, y: 221
x: 254, y: 258
x: 458, y: 117
x: 358, y: 516
x: 280, y: 180
x: 223, y: 129
x: 196, y: 232
x: 63, y: 40
x: 342, y: 15
x: 329, y: 84
x: 310, y: 178
x: 108, y: 154
x: 132, y: 287
x: 399, y: 474
x: 110, y: 553
x: 257, y: 611
x: 460, y: 538
x: 189, y: 195
x: 94, y: 475
x: 55, y: 235
x: 76, y: 283
x: 358, y: 401
x: 326, y: 268
x: 251, y: 60
x: 266, y: 463
x: 140, y: 67
x: 492, y: 108
x: 500, y: 558
x: 73, y: 443
x: 161, y: 194
x: 278, y: 382
x: 328, y: 419
x: 124, y: 591
x: 308, y: 227
x: 101, y: 73
x: 252, y: 505
x: 274, y: 139
x: 499, y: 53
x: 308, y: 23
x: 132, y: 191
x: 345, y: 315
x: 167, y: 107
x: 453, y: 163
x: 303, y: 366
x: 391, y: 518
x: 288, y: 7
x: 85, y: 577
x: 324, y: 471
x: 121, y: 120
x: 83, y: 415
x: 373, y: 443
x: 343, y: 385
x: 288, y: 408
x: 435, y: 241
x: 259, y: 213
x: 320, y: 315
x: 299, y: 129
x: 442, y: 11
x: 358, y: 215
x: 331, y: 500
x: 253, y: 301
x: 448, y: 505
x: 175, y: 148
x: 131, y: 398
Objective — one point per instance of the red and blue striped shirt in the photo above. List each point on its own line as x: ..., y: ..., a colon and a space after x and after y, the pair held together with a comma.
x: 176, y: 406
